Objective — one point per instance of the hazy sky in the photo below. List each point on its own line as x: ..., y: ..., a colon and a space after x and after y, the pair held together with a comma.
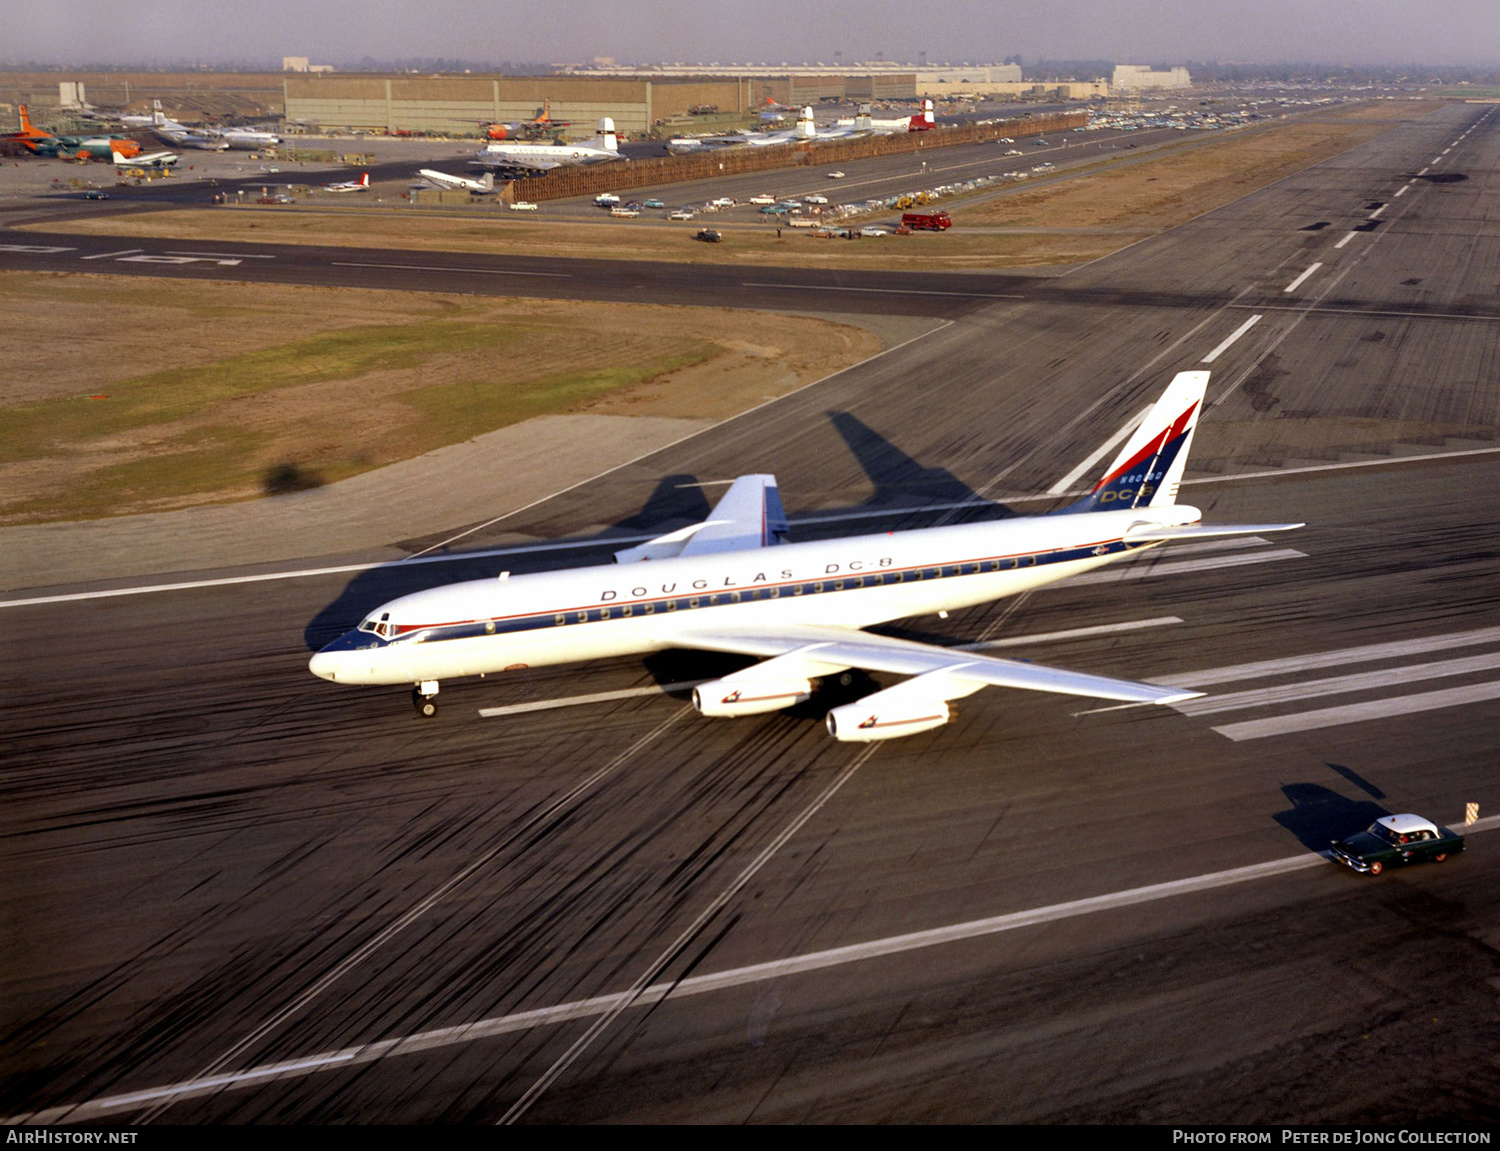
x: 1143, y: 31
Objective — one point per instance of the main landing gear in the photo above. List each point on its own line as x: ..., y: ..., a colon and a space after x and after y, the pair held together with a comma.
x: 424, y: 698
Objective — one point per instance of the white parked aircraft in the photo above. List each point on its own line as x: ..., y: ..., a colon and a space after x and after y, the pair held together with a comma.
x: 247, y: 138
x: 545, y: 157
x: 213, y: 139
x: 157, y: 160
x: 483, y: 186
x: 724, y: 585
x: 805, y: 129
x: 921, y: 122
x: 360, y: 185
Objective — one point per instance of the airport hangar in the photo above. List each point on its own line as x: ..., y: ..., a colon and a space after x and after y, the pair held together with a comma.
x: 455, y: 104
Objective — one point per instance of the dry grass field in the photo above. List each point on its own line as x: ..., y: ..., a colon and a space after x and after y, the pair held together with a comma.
x: 153, y: 394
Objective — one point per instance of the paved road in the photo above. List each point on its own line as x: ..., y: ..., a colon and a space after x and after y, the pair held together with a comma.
x: 235, y: 882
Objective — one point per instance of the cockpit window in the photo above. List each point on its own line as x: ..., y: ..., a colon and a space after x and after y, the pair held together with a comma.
x: 381, y: 627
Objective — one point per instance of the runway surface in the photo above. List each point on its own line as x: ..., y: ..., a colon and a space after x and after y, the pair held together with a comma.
x: 242, y: 894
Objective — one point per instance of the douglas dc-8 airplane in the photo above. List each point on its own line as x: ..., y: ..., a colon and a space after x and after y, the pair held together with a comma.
x: 729, y: 584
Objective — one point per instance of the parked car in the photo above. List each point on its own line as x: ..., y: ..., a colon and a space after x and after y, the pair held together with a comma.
x: 835, y: 175
x: 789, y: 205
x: 763, y: 198
x: 773, y: 210
x: 815, y: 199
x: 606, y: 199
x: 726, y: 202
x: 624, y: 213
x: 709, y: 236
x: 523, y: 206
x: 652, y: 204
x: 95, y: 194
x: 872, y: 230
x: 681, y: 214
x: 1393, y: 840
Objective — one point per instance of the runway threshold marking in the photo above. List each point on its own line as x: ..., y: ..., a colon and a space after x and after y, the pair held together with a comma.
x: 1099, y: 453
x: 1347, y: 237
x: 1297, y: 283
x: 1232, y: 337
x: 521, y: 1021
x: 688, y: 684
x: 1360, y: 712
x: 886, y: 291
x: 1366, y: 653
x: 1338, y: 685
x: 441, y: 268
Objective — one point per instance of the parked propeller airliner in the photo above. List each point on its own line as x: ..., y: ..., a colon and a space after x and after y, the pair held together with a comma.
x: 729, y: 584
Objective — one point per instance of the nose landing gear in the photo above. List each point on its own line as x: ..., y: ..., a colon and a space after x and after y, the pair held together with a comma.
x: 424, y: 698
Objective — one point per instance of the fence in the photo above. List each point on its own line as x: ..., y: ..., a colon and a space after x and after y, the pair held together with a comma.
x: 732, y: 161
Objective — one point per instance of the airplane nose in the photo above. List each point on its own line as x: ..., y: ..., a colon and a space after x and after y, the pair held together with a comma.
x: 325, y: 665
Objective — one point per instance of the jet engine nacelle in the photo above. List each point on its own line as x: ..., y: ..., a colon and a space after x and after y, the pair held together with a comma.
x: 873, y: 718
x: 729, y: 697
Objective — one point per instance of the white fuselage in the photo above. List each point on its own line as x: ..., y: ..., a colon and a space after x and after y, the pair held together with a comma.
x: 524, y: 155
x: 485, y: 626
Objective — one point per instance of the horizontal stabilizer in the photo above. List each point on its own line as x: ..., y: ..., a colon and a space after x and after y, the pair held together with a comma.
x: 1203, y: 531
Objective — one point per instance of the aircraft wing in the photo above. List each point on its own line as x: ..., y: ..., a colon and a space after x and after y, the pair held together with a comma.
x: 941, y: 673
x: 748, y: 515
x: 517, y: 163
x: 1201, y: 531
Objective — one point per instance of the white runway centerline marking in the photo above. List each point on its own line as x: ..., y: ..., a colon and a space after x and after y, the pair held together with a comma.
x: 1401, y: 192
x: 1070, y: 633
x: 110, y: 255
x: 1347, y: 237
x: 1361, y: 712
x: 581, y: 700
x: 1423, y: 172
x: 521, y: 1021
x: 1231, y: 338
x: 1375, y: 215
x: 223, y: 255
x: 1297, y: 283
x: 1098, y: 454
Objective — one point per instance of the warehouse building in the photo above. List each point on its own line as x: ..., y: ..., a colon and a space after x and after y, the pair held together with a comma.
x: 1138, y: 77
x: 456, y: 105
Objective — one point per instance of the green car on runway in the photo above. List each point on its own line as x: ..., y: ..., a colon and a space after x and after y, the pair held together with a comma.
x: 1396, y: 839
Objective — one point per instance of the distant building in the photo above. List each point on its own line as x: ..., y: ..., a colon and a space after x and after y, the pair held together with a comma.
x: 1135, y: 77
x: 70, y: 94
x: 300, y: 64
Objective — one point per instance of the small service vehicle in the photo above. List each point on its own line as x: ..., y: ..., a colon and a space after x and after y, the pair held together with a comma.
x: 606, y: 199
x: 652, y: 204
x: 523, y: 206
x: 835, y: 175
x: 1393, y: 840
x: 681, y: 214
x: 926, y: 221
x: 763, y: 198
x: 709, y: 236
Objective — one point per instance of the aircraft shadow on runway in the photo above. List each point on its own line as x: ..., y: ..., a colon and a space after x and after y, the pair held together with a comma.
x: 900, y: 482
x: 1319, y: 815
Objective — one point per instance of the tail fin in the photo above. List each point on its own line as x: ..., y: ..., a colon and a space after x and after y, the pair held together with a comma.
x: 156, y: 113
x: 487, y: 181
x: 806, y: 128
x: 27, y: 128
x: 604, y: 135
x: 924, y: 121
x: 121, y: 161
x: 364, y: 179
x: 1148, y: 470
